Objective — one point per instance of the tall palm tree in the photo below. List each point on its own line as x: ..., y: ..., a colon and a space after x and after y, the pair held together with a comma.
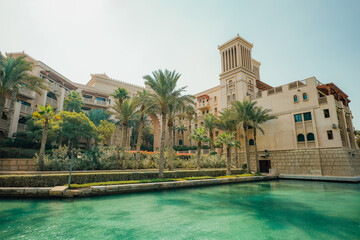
x: 209, y: 124
x: 47, y: 115
x: 199, y: 136
x: 244, y: 113
x: 142, y: 100
x: 120, y: 95
x: 260, y: 116
x: 73, y: 102
x: 189, y: 113
x: 125, y: 113
x: 163, y: 83
x: 15, y: 76
x: 227, y: 139
x: 227, y: 122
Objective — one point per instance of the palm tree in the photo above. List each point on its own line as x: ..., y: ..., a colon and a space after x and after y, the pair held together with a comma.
x: 260, y: 116
x: 96, y: 115
x: 200, y: 135
x: 120, y: 94
x: 181, y: 130
x: 244, y: 113
x: 228, y: 140
x: 189, y: 113
x: 209, y: 124
x: 125, y: 113
x: 142, y: 100
x: 227, y: 122
x: 15, y: 76
x: 163, y: 83
x: 47, y: 116
x: 73, y: 102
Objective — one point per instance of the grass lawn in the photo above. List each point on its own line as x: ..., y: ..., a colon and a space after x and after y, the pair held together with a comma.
x: 73, y: 186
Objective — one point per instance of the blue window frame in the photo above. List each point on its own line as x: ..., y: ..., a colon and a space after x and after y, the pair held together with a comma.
x: 307, y: 116
x: 298, y: 117
x: 305, y: 97
x: 296, y: 98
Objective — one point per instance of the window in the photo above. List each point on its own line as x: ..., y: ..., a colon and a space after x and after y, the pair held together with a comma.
x: 301, y: 138
x: 330, y: 135
x: 215, y: 99
x: 180, y: 142
x: 305, y: 97
x: 215, y: 109
x: 307, y: 116
x: 216, y: 133
x: 229, y: 98
x: 251, y: 142
x: 100, y: 99
x: 326, y: 113
x: 230, y: 86
x: 250, y: 127
x: 298, y: 117
x: 203, y: 112
x: 24, y: 103
x: 207, y: 111
x: 310, y: 137
x: 234, y: 97
x: 296, y: 98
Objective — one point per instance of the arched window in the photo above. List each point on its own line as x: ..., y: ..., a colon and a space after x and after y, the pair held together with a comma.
x: 301, y: 138
x: 234, y: 97
x: 310, y: 137
x: 230, y: 86
x: 305, y: 97
x: 215, y: 99
x: 251, y: 142
x: 296, y: 98
x: 180, y: 142
x: 229, y: 98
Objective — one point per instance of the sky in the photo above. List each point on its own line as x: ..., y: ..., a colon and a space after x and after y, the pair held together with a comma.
x: 293, y: 40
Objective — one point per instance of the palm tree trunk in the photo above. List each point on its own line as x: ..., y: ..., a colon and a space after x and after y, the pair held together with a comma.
x: 190, y: 133
x: 256, y: 153
x: 171, y: 167
x: 247, y: 150
x: 198, y: 155
x: 237, y: 152
x: 162, y: 146
x: 212, y: 148
x: 139, y: 138
x: 228, y: 161
x: 2, y: 104
x: 43, y: 143
x: 124, y: 140
x: 11, y: 111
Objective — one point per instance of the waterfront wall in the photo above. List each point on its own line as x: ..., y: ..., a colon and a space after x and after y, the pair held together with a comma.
x: 17, y: 164
x: 319, y: 161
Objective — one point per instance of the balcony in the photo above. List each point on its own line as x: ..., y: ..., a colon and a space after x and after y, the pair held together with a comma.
x: 203, y: 105
x: 54, y: 86
x: 52, y: 102
x: 21, y: 127
x: 27, y: 93
x: 95, y: 102
x: 322, y: 100
x: 26, y: 110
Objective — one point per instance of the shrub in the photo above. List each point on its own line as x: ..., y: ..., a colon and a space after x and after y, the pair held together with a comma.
x: 213, y: 153
x: 50, y: 180
x: 9, y: 152
x: 244, y: 166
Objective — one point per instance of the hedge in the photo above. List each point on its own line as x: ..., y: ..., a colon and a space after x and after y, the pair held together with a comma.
x: 17, y: 153
x: 51, y: 180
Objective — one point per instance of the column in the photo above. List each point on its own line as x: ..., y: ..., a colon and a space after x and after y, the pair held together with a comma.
x: 61, y: 99
x: 15, y: 119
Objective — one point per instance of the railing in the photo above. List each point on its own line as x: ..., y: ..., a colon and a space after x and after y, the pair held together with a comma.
x: 54, y: 86
x: 202, y: 105
x: 274, y: 90
x: 322, y: 100
x: 21, y: 127
x: 297, y: 84
x: 94, y: 101
x: 3, y: 123
x: 51, y: 101
x: 26, y: 109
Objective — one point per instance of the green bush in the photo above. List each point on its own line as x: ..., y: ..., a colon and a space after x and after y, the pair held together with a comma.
x: 50, y: 180
x: 8, y: 152
x: 186, y: 148
x: 244, y: 166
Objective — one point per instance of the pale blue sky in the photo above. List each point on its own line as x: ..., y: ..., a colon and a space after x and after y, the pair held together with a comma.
x: 128, y: 39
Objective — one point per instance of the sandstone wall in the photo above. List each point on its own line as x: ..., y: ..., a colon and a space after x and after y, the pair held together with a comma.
x: 323, y: 161
x: 17, y: 164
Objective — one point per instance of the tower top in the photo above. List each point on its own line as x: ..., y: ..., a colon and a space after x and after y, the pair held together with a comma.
x: 233, y: 40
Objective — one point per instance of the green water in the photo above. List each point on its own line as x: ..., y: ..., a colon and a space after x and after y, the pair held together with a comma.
x: 264, y: 210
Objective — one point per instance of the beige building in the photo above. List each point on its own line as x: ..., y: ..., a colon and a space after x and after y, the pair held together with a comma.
x: 312, y: 118
x: 313, y: 132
